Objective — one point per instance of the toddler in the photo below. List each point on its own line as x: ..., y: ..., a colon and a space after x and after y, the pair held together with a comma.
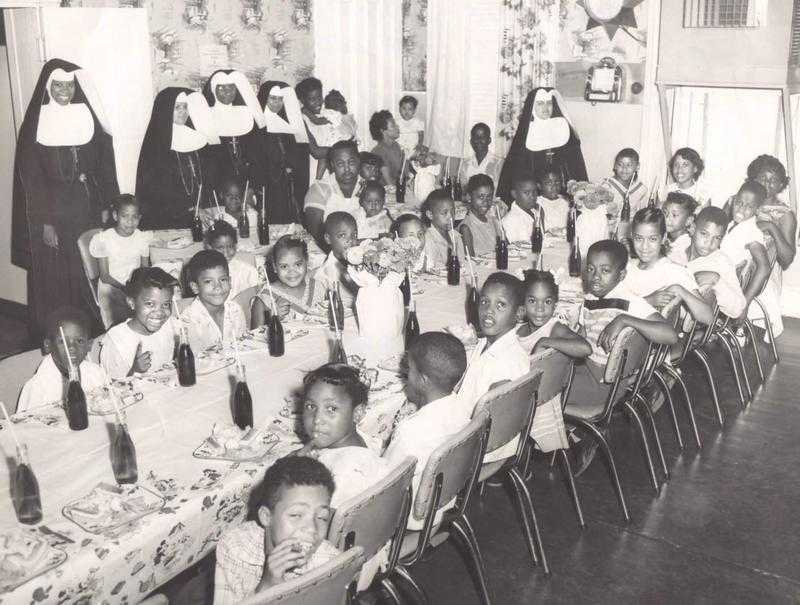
x: 679, y: 214
x: 371, y: 166
x: 439, y: 210
x: 372, y: 218
x: 542, y: 329
x: 223, y: 238
x: 119, y: 250
x: 344, y: 124
x: 212, y: 318
x: 412, y: 130
x: 341, y: 234
x: 234, y: 204
x: 479, y: 227
x: 147, y: 340
x: 710, y: 266
x: 525, y: 210
x: 481, y: 161
x: 436, y: 362
x: 685, y: 167
x: 626, y: 178
x: 425, y: 168
x: 554, y: 207
x: 285, y: 534
x: 384, y: 131
x: 48, y: 384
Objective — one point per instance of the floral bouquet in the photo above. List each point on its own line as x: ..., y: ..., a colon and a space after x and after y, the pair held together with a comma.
x: 590, y: 195
x: 382, y: 257
x: 596, y: 202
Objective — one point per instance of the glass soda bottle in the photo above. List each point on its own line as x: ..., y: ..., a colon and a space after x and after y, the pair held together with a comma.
x: 275, y: 342
x: 472, y: 305
x: 400, y: 192
x: 75, y: 405
x: 338, y: 354
x: 27, y: 503
x: 244, y: 224
x: 337, y: 307
x: 123, y: 455
x: 197, y: 229
x: 405, y: 288
x: 571, y: 217
x: 263, y: 228
x: 186, y: 371
x: 575, y: 259
x: 458, y: 192
x: 242, y: 400
x: 501, y: 253
x: 453, y: 268
x: 537, y: 238
x: 412, y: 325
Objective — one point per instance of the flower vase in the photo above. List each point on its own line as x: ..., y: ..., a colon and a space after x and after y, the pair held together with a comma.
x: 380, y: 310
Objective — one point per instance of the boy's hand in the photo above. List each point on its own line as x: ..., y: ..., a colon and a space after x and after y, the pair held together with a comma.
x: 141, y: 360
x: 610, y: 333
x: 283, y: 557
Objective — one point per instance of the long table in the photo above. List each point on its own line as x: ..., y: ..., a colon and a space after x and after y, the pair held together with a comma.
x: 202, y: 498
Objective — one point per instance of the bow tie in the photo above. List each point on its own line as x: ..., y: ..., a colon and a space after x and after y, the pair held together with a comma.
x: 607, y: 303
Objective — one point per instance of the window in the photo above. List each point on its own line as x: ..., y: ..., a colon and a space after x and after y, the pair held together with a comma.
x: 723, y: 13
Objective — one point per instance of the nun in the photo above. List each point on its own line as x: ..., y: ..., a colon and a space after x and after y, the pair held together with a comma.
x: 64, y: 176
x: 545, y: 140
x: 286, y: 152
x: 237, y: 120
x: 176, y: 169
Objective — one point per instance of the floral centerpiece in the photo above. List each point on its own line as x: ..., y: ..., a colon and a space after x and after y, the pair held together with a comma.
x: 378, y: 267
x: 598, y: 212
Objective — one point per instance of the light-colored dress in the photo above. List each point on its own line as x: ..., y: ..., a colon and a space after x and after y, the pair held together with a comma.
x: 484, y: 233
x: 118, y: 349
x: 529, y: 341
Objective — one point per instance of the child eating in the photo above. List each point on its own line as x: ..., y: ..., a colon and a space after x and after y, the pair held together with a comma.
x: 685, y: 167
x: 439, y: 209
x: 542, y: 329
x: 223, y: 238
x: 555, y: 208
x: 119, y: 250
x: 48, y: 384
x: 212, y: 318
x: 524, y: 211
x: 679, y: 214
x: 372, y: 218
x: 285, y: 534
x: 147, y: 340
x: 412, y: 129
x: 479, y: 228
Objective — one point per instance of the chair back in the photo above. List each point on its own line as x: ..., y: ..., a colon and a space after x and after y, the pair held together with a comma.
x: 555, y: 368
x: 452, y: 472
x: 510, y: 407
x: 694, y: 334
x: 376, y: 516
x: 330, y: 584
x: 14, y: 371
x: 245, y: 300
x: 91, y: 268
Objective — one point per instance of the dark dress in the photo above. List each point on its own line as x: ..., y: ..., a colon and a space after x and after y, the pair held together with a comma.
x: 566, y: 160
x: 66, y: 187
x: 168, y: 181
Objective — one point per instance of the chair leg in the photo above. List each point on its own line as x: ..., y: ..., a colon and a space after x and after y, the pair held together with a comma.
x: 729, y: 349
x: 467, y: 534
x: 392, y: 590
x: 526, y: 502
x: 737, y: 348
x: 573, y: 490
x: 652, y: 419
x: 749, y: 325
x: 702, y: 357
x: 645, y: 444
x: 662, y: 383
x: 770, y: 334
x: 689, y: 407
x: 527, y: 525
x: 419, y: 593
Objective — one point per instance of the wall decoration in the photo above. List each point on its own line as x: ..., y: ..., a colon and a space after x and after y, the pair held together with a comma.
x: 252, y: 14
x: 590, y: 31
x: 415, y: 31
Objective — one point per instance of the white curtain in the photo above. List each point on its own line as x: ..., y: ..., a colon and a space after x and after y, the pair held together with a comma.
x: 651, y: 152
x: 357, y: 50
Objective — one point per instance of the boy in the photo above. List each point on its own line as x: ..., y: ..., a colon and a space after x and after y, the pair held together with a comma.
x: 213, y: 317
x: 411, y: 128
x: 745, y: 241
x: 440, y: 210
x: 608, y: 308
x: 341, y: 233
x: 371, y: 165
x: 373, y: 220
x: 498, y: 357
x: 479, y: 228
x: 119, y: 251
x: 679, y: 214
x: 223, y: 238
x: 482, y: 161
x: 384, y: 130
x: 710, y: 266
x: 285, y: 534
x: 555, y: 207
x: 626, y: 169
x: 525, y: 211
x: 235, y: 205
x: 48, y: 383
x: 436, y: 362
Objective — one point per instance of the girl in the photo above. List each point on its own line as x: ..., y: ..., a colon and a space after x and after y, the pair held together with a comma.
x: 410, y: 225
x: 293, y: 288
x: 439, y: 210
x: 542, y: 329
x: 679, y: 215
x: 372, y: 217
x: 685, y: 167
x: 479, y: 229
x: 147, y: 340
x: 653, y: 276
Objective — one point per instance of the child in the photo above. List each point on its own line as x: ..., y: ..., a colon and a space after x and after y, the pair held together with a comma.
x: 223, y: 238
x: 285, y: 534
x: 479, y: 227
x: 345, y: 128
x: 626, y: 170
x: 482, y: 161
x: 293, y: 288
x: 147, y: 340
x: 710, y: 266
x: 439, y: 209
x: 341, y: 233
x: 436, y: 362
x: 685, y: 167
x: 320, y: 131
x: 212, y: 318
x: 412, y: 130
x: 744, y: 241
x: 525, y: 211
x: 234, y: 204
x: 372, y: 218
x: 656, y: 278
x: 384, y: 130
x: 371, y: 166
x: 679, y: 214
x: 410, y: 225
x: 333, y: 395
x: 119, y: 251
x: 498, y: 356
x: 542, y: 329
x: 47, y: 386
x: 425, y: 168
x: 552, y: 203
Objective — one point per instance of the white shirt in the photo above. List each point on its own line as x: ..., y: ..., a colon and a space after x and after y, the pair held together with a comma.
x: 46, y: 386
x: 637, y: 195
x: 419, y: 434
x: 354, y: 469
x: 504, y: 359
x: 118, y: 350
x: 735, y: 242
x: 243, y: 276
x: 555, y: 212
x: 528, y: 342
x: 436, y: 247
x: 124, y: 254
x: 518, y: 224
x: 697, y: 191
x: 491, y: 165
x: 371, y: 227
x: 328, y: 197
x: 203, y: 332
x: 664, y: 273
x: 409, y: 133
x: 728, y: 290
x: 677, y: 249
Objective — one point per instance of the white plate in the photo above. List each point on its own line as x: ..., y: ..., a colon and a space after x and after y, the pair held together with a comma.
x: 108, y: 507
x: 24, y: 556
